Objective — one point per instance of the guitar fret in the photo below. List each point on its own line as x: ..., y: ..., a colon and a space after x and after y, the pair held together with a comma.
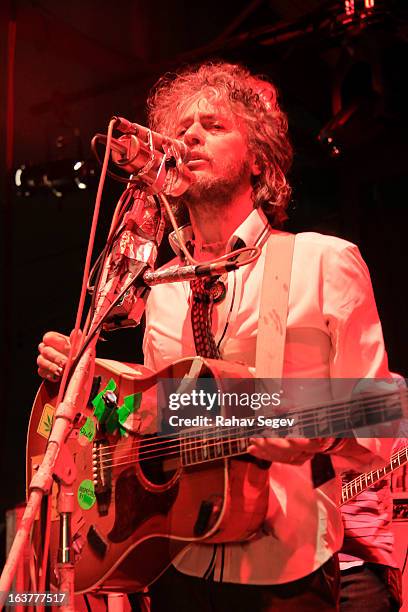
x: 237, y: 442
x: 210, y: 446
x: 190, y: 450
x: 229, y: 441
x: 195, y: 450
x: 205, y: 446
x: 218, y: 444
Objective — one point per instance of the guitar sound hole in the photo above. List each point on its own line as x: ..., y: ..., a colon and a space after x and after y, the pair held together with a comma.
x: 159, y: 459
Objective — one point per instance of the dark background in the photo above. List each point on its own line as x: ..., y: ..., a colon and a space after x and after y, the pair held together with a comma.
x: 74, y: 64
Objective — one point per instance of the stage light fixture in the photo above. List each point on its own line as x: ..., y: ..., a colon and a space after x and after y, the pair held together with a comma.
x: 56, y: 177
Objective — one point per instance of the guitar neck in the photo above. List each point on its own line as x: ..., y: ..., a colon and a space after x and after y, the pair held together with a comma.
x: 363, y: 481
x: 336, y: 419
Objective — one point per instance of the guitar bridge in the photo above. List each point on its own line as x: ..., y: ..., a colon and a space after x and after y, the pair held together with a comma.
x: 102, y: 476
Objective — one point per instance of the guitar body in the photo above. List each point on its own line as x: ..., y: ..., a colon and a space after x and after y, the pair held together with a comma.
x: 137, y: 507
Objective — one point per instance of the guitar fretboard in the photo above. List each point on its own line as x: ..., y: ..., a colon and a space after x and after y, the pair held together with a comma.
x: 360, y: 483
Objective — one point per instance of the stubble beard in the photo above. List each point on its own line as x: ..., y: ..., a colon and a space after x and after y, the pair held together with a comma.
x: 213, y: 192
x: 209, y: 196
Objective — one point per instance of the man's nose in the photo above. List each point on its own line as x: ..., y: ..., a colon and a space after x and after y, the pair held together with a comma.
x: 194, y: 134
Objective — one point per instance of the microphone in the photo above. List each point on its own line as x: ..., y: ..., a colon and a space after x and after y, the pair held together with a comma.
x: 158, y: 161
x: 159, y: 141
x: 174, y: 274
x: 155, y: 160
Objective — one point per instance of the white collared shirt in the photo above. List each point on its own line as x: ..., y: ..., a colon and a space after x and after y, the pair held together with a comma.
x: 333, y: 331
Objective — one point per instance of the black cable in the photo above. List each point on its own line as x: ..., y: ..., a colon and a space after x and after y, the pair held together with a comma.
x: 117, y: 177
x: 88, y: 605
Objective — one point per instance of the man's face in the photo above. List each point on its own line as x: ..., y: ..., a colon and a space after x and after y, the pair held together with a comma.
x: 221, y: 161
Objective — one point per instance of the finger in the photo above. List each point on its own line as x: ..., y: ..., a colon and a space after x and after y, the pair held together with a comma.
x: 255, y: 451
x: 308, y: 445
x: 48, y: 375
x: 280, y: 450
x: 52, y: 356
x: 57, y: 341
x: 265, y: 448
x: 48, y: 369
x: 270, y: 454
x: 273, y: 443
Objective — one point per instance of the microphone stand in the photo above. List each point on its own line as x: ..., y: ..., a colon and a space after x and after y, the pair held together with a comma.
x: 120, y: 302
x: 58, y: 463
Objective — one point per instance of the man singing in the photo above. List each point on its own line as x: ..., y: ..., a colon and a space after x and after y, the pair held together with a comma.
x: 240, y: 155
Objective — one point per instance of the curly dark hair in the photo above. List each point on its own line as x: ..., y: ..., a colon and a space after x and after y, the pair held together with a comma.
x: 252, y: 98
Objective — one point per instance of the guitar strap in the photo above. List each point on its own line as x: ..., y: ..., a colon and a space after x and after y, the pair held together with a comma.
x: 271, y: 336
x: 273, y: 309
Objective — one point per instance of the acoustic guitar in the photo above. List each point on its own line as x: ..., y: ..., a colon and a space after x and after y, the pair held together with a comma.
x: 141, y: 497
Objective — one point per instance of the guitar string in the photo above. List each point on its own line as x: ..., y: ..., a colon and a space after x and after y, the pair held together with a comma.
x: 189, y: 445
x: 344, y: 499
x: 307, y: 421
x: 369, y: 404
x: 219, y: 434
x: 347, y: 493
x: 353, y: 494
x: 166, y: 456
x: 363, y: 479
x: 186, y: 465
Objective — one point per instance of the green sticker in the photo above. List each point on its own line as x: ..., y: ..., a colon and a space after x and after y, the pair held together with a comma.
x: 113, y: 420
x: 86, y: 494
x: 88, y: 429
x: 130, y: 404
x: 98, y: 402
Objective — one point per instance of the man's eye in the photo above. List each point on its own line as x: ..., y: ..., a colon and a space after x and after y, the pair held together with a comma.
x: 217, y: 126
x: 180, y: 132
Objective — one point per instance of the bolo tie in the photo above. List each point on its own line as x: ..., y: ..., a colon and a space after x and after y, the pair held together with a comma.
x: 205, y: 293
